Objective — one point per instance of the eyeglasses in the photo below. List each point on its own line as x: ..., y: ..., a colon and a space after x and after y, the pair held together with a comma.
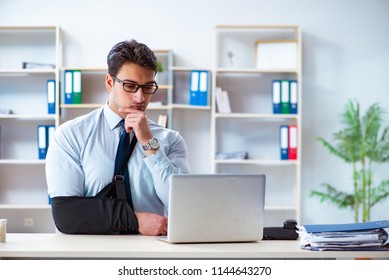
x: 150, y: 88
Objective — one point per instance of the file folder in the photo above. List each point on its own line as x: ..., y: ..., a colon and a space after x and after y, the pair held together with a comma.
x: 316, y: 228
x: 293, y: 97
x: 203, y: 89
x: 162, y: 120
x: 276, y: 92
x: 68, y: 86
x: 292, y: 151
x: 285, y: 97
x: 284, y: 138
x: 371, y: 236
x: 50, y: 90
x: 194, y: 88
x: 76, y: 98
x: 50, y: 134
x: 42, y: 141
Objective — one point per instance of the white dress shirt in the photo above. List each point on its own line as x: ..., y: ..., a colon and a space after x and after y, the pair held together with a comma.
x: 81, y: 158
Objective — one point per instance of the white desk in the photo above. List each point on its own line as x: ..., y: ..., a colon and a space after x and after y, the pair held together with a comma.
x: 61, y: 246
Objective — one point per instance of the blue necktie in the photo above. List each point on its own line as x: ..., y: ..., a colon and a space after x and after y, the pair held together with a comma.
x: 121, y: 154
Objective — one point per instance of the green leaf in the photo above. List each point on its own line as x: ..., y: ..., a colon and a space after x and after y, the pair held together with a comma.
x: 332, y: 195
x: 379, y: 193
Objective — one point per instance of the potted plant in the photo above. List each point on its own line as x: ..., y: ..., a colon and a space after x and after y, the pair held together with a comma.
x: 159, y: 70
x: 159, y: 66
x: 364, y: 144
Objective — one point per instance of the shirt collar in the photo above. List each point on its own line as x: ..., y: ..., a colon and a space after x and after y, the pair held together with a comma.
x: 111, y: 117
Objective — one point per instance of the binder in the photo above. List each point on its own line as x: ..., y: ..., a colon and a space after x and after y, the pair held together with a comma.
x: 162, y: 120
x: 293, y: 97
x: 292, y: 151
x: 285, y: 97
x: 50, y: 91
x: 68, y: 86
x: 194, y: 87
x: 276, y: 92
x: 203, y: 89
x: 316, y: 228
x: 371, y: 236
x: 42, y: 142
x: 50, y: 134
x: 76, y: 98
x: 284, y: 140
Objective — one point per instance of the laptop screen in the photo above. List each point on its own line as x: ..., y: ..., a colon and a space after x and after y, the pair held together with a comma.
x: 216, y: 208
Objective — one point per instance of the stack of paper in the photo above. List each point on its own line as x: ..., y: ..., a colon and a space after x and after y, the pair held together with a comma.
x: 353, y: 236
x: 233, y: 155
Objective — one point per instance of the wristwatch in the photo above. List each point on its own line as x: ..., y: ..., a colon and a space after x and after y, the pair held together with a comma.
x: 151, y: 145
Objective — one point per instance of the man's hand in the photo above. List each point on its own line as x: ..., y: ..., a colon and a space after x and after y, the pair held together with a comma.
x: 151, y: 224
x: 137, y: 120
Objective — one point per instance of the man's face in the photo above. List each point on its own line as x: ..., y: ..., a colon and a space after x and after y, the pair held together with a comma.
x: 133, y: 74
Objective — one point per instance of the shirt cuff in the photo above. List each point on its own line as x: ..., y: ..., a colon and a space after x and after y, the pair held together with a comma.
x: 159, y: 160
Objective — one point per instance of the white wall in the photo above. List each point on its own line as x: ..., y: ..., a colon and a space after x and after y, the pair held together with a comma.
x: 345, y: 54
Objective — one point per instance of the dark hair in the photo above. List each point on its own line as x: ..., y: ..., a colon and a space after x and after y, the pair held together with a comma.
x: 130, y: 51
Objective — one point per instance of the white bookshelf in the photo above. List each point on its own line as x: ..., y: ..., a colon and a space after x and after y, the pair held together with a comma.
x: 23, y: 189
x: 251, y: 126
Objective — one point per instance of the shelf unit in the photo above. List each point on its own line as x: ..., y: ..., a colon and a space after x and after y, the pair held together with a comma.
x: 23, y: 95
x: 251, y: 125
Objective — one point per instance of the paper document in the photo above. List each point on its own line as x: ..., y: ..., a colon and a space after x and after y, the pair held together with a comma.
x: 354, y: 236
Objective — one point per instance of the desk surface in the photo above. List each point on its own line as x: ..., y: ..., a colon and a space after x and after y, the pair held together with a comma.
x: 60, y: 246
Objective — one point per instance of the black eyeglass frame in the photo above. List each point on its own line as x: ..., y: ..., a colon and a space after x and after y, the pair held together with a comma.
x: 138, y: 86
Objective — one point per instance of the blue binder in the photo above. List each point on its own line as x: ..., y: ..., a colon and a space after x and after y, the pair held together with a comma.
x: 194, y: 87
x: 50, y: 133
x: 276, y: 93
x: 347, y: 227
x: 42, y: 141
x: 203, y: 88
x: 50, y: 90
x: 284, y: 140
x: 68, y: 86
x: 293, y: 97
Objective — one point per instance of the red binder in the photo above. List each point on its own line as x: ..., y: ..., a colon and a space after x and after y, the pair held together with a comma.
x: 292, y: 150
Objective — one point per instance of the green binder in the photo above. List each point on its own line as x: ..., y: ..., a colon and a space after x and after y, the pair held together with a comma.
x: 76, y: 98
x: 285, y: 97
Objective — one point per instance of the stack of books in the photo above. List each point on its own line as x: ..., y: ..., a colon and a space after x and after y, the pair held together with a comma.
x: 342, y: 237
x: 222, y: 101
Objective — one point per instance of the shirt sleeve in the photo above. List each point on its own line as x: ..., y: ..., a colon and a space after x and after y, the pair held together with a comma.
x: 169, y: 160
x: 64, y: 173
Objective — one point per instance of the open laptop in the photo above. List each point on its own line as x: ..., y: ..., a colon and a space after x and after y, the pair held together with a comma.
x: 216, y: 208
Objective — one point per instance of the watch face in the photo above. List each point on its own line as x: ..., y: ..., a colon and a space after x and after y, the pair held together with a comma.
x: 154, y: 143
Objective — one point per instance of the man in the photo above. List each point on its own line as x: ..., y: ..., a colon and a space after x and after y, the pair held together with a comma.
x: 81, y: 158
